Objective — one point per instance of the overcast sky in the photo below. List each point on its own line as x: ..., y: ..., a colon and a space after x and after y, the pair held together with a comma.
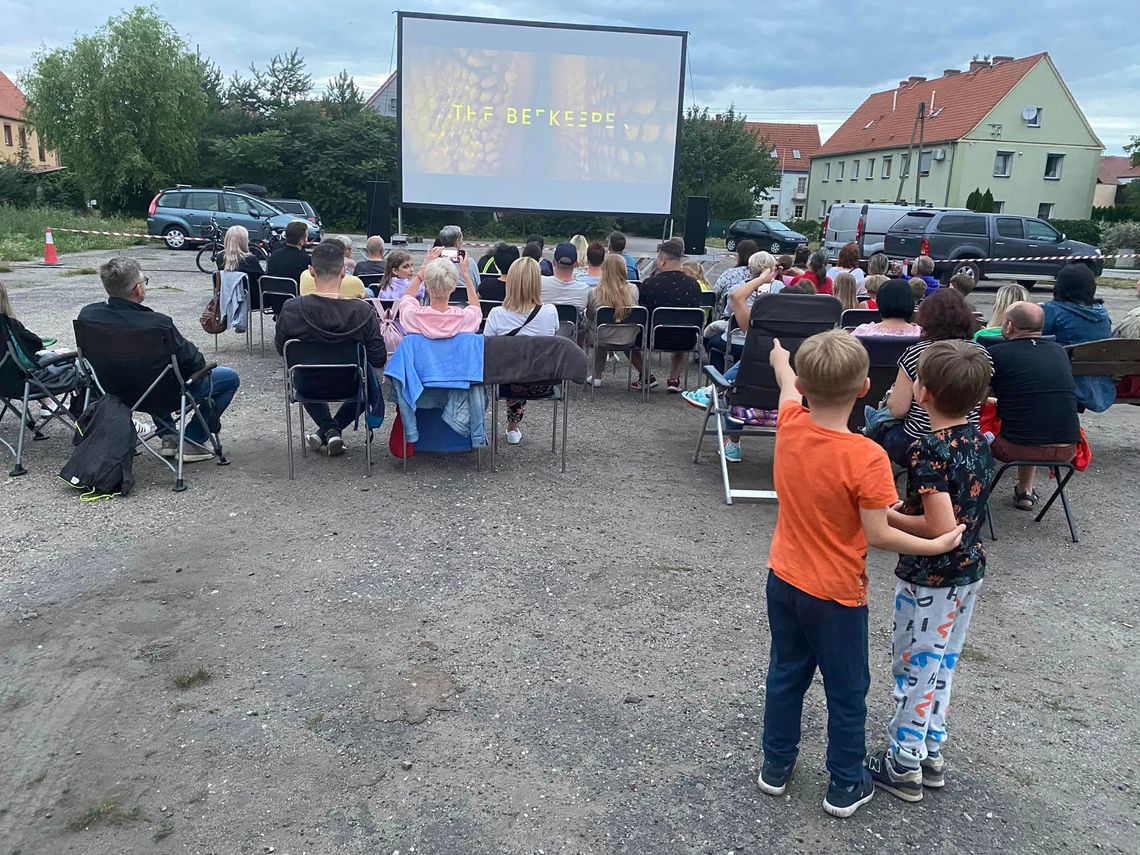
x: 808, y: 61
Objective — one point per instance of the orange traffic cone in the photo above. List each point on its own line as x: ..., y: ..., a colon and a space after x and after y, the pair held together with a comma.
x: 50, y: 258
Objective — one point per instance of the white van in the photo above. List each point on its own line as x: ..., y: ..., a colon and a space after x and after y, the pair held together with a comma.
x: 866, y: 224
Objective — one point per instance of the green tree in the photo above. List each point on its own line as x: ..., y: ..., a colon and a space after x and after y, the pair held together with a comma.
x: 1133, y: 148
x: 342, y: 97
x: 974, y: 200
x: 987, y: 202
x: 122, y: 106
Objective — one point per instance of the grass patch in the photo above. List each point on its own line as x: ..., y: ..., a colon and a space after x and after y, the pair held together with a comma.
x: 973, y: 654
x: 22, y: 231
x: 105, y: 813
x: 313, y: 721
x: 1117, y: 283
x: 80, y: 271
x: 5, y: 268
x: 193, y: 678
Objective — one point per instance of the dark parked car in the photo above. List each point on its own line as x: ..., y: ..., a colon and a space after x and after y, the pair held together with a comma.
x: 300, y: 208
x: 770, y: 235
x: 949, y: 235
x: 181, y: 212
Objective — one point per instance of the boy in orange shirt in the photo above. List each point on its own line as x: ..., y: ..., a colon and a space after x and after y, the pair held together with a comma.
x: 835, y: 489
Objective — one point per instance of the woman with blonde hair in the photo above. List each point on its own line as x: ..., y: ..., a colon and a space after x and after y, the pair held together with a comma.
x: 439, y: 319
x: 846, y: 290
x: 616, y: 291
x: 581, y: 245
x: 522, y: 313
x: 237, y: 257
x: 1007, y: 295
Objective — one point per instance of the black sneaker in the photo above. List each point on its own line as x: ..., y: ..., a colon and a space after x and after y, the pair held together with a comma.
x: 773, y: 779
x: 844, y: 801
x: 887, y: 775
x: 933, y: 771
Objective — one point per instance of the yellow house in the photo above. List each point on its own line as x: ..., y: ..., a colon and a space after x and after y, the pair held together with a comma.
x: 17, y: 135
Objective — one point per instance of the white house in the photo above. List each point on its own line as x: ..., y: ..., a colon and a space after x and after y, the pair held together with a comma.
x: 793, y: 146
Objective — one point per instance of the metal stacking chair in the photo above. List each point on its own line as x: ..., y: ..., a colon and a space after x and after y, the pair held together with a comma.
x: 637, y: 316
x: 683, y: 329
x: 568, y: 316
x: 141, y: 368
x: 370, y: 280
x: 216, y: 278
x: 273, y: 292
x: 884, y: 352
x: 852, y: 318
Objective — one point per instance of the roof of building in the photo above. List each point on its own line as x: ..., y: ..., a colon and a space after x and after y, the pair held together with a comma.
x: 1113, y: 168
x: 371, y: 101
x: 789, y: 140
x: 961, y: 99
x: 11, y: 99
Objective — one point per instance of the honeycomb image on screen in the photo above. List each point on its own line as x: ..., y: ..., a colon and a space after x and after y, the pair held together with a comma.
x: 516, y: 116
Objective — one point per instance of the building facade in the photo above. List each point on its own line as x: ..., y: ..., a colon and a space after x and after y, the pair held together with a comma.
x: 1115, y: 172
x: 18, y: 139
x: 793, y: 146
x: 1009, y: 126
x: 383, y: 100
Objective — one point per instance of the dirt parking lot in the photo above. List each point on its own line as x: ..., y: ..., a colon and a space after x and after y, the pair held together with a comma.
x: 459, y: 661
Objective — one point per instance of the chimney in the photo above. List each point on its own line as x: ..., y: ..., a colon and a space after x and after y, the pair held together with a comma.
x: 902, y: 84
x: 950, y: 72
x: 915, y: 79
x: 998, y: 60
x: 977, y: 64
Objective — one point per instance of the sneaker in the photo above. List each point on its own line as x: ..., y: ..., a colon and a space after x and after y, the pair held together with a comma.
x: 934, y: 771
x: 673, y: 385
x: 514, y: 436
x: 192, y: 453
x: 773, y: 779
x: 889, y: 776
x: 699, y: 398
x: 592, y: 381
x: 653, y: 383
x: 335, y: 444
x: 732, y: 452
x: 844, y: 801
x: 314, y: 441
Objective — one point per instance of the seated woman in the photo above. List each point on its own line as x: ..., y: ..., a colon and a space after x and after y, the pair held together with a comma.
x: 943, y: 315
x: 896, y: 308
x: 816, y: 273
x: 236, y: 256
x: 846, y: 290
x: 872, y: 284
x: 439, y: 319
x: 848, y: 262
x: 398, y: 272
x: 523, y: 313
x: 60, y: 378
x: 1074, y: 316
x: 760, y: 277
x: 1007, y: 295
x: 613, y: 290
x: 493, y: 287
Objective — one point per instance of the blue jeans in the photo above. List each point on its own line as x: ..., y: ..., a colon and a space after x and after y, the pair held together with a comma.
x: 349, y: 411
x: 897, y: 442
x: 213, y: 394
x: 808, y: 632
x: 716, y: 348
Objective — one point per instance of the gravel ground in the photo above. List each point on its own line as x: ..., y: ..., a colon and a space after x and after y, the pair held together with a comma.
x: 460, y: 661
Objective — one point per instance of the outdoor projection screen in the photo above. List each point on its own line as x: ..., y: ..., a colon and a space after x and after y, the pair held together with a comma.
x: 543, y: 117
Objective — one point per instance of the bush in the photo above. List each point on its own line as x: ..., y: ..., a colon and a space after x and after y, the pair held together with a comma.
x: 811, y: 229
x: 1087, y: 231
x: 22, y: 231
x: 1121, y: 236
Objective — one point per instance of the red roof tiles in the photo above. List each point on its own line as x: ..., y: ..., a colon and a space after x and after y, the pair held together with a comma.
x: 1114, y: 168
x: 11, y: 99
x: 788, y: 139
x: 960, y: 102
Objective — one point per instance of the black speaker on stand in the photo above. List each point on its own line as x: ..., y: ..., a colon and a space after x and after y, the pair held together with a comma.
x: 379, y: 210
x: 696, y: 224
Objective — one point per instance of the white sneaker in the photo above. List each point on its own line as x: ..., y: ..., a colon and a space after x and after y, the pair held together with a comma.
x: 592, y: 381
x: 514, y: 437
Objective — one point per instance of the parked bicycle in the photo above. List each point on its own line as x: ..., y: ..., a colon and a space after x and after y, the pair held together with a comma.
x: 210, y: 256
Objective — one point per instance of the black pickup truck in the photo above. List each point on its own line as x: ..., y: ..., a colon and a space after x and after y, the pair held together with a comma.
x: 1022, y: 248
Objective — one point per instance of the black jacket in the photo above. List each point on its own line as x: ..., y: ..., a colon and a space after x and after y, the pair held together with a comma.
x: 289, y: 261
x: 117, y: 312
x: 317, y: 318
x: 11, y: 376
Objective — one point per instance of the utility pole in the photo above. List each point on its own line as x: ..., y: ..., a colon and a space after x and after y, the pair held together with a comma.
x: 919, y: 130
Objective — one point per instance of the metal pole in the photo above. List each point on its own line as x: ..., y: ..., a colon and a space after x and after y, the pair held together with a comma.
x: 921, y: 138
x: 399, y: 219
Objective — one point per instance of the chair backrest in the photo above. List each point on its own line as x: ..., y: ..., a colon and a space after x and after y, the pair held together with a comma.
x: 276, y: 290
x: 634, y: 316
x: 789, y: 317
x: 685, y: 326
x: 567, y: 313
x: 884, y: 352
x: 1112, y: 357
x: 855, y: 317
x: 708, y: 299
x: 485, y: 307
x: 324, y: 371
x: 370, y: 280
x: 126, y: 361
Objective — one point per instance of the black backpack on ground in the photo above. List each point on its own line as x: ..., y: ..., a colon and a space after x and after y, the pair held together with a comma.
x: 101, y: 464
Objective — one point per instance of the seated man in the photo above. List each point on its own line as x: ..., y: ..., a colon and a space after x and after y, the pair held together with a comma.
x: 322, y: 316
x: 591, y: 274
x: 923, y: 268
x: 670, y: 286
x: 374, y: 264
x: 544, y: 265
x: 617, y: 247
x: 1036, y: 398
x: 351, y: 288
x: 126, y: 289
x: 291, y: 260
x: 563, y: 286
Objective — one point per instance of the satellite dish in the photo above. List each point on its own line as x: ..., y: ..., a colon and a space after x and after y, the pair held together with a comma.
x: 1029, y: 114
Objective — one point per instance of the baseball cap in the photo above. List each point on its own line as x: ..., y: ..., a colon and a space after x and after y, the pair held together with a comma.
x: 565, y: 254
x: 674, y: 247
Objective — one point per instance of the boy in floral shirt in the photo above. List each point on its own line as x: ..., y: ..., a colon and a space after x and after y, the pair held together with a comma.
x: 948, y: 484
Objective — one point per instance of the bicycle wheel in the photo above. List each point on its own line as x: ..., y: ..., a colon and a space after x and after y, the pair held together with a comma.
x: 206, y: 259
x: 259, y: 252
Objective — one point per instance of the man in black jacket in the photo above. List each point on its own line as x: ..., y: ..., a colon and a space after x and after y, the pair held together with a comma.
x: 291, y: 260
x: 126, y: 289
x: 324, y: 317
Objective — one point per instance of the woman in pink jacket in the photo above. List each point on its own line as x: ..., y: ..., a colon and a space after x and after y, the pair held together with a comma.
x: 439, y: 319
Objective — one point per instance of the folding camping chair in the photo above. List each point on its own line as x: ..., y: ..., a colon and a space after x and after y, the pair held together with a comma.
x: 789, y: 317
x: 884, y: 352
x: 32, y: 383
x: 324, y: 373
x: 273, y: 293
x: 140, y: 367
x: 637, y: 316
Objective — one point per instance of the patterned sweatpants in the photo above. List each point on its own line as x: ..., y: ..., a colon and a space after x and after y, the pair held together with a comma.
x: 929, y: 631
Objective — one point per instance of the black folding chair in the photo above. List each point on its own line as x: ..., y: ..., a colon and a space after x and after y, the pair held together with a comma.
x: 789, y: 317
x: 568, y: 319
x: 1055, y: 470
x: 674, y: 329
x: 324, y: 373
x: 884, y: 352
x: 485, y: 307
x: 29, y: 383
x: 636, y: 316
x: 852, y: 318
x: 273, y: 293
x: 140, y: 367
x: 370, y: 280
x: 216, y: 278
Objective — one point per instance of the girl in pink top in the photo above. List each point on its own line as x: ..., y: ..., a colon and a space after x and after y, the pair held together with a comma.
x: 438, y: 319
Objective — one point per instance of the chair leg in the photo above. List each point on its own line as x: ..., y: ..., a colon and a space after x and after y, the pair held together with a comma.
x: 301, y: 421
x: 1060, y: 491
x: 18, y: 467
x: 701, y: 435
x: 565, y: 420
x: 721, y: 455
x: 289, y: 435
x: 554, y: 426
x: 989, y: 504
x: 261, y: 314
x: 179, y: 481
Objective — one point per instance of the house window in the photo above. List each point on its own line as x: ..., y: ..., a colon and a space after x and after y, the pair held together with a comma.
x: 801, y: 184
x: 904, y: 165
x: 999, y: 207
x: 43, y: 154
x: 799, y: 212
x: 1035, y: 121
x: 886, y: 173
x: 1053, y: 166
x: 23, y: 138
x: 854, y: 169
x: 1003, y: 164
x: 839, y: 167
x: 8, y: 135
x: 392, y: 104
x: 1045, y: 210
x: 774, y: 212
x: 826, y: 171
x: 924, y: 161
x: 795, y: 154
x: 822, y: 208
x: 870, y: 167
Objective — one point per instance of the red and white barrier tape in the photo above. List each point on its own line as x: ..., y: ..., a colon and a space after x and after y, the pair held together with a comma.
x: 122, y: 234
x: 1037, y: 258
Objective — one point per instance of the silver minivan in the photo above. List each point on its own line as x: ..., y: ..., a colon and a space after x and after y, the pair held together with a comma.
x: 866, y: 224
